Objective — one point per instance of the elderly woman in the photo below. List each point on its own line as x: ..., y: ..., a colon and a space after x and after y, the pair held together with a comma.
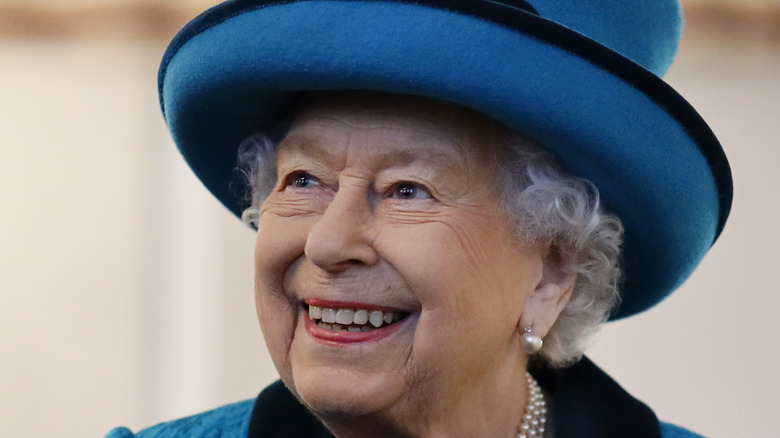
x: 450, y: 198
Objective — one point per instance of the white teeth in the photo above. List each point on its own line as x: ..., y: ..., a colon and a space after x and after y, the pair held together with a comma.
x: 361, y: 316
x: 343, y: 319
x: 375, y: 318
x: 328, y: 315
x: 344, y: 316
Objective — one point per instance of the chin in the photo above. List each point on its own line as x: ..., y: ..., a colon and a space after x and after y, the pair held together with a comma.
x: 341, y: 394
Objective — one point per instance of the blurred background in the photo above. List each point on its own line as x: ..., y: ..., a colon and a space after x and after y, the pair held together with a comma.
x: 126, y: 290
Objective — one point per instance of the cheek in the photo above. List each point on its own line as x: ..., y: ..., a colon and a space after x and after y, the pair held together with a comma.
x: 465, y: 261
x: 470, y: 280
x: 280, y: 242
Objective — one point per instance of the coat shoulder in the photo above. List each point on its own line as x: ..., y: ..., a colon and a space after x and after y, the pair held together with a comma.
x: 231, y: 421
x: 669, y: 430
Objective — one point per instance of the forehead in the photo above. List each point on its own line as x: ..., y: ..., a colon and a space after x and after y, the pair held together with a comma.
x: 407, y: 126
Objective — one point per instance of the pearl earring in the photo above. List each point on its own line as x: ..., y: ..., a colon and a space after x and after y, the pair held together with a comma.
x: 533, y: 343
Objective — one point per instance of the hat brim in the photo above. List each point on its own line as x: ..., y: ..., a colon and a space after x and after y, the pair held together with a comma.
x: 657, y: 165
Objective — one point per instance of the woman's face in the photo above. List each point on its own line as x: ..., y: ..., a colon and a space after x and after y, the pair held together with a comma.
x: 387, y: 213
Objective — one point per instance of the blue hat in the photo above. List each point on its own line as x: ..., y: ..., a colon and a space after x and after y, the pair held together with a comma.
x: 581, y: 78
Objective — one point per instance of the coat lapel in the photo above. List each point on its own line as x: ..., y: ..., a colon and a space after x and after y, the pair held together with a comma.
x: 587, y: 403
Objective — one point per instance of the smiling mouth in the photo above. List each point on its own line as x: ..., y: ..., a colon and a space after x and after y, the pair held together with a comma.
x: 352, y: 320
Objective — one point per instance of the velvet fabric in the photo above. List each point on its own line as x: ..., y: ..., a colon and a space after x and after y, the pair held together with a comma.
x: 579, y: 78
x: 586, y: 404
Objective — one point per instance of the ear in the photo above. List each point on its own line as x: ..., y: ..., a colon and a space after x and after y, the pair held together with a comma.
x: 550, y: 295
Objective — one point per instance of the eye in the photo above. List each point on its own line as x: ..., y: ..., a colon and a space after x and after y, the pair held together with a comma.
x: 300, y: 180
x: 409, y: 190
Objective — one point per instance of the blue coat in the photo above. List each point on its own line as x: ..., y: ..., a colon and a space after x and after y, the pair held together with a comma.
x: 586, y: 404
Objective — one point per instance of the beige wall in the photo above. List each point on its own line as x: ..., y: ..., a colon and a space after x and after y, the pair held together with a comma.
x: 125, y: 290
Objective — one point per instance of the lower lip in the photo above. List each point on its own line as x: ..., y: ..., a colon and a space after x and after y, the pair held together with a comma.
x: 346, y: 337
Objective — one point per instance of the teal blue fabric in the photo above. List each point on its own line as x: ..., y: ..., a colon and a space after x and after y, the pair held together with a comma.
x: 231, y: 421
x: 233, y: 71
x: 647, y: 32
x: 671, y: 431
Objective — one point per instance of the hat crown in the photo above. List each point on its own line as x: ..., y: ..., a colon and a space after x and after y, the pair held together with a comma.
x: 646, y: 31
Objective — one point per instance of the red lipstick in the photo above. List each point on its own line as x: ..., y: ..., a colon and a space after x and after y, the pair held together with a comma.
x: 344, y: 337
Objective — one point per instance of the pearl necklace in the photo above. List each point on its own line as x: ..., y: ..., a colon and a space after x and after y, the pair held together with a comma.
x: 535, y: 415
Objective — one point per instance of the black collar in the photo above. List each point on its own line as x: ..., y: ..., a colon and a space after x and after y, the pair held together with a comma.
x: 587, y: 403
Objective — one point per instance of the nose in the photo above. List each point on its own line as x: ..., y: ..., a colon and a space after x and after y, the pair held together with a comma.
x: 341, y: 236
